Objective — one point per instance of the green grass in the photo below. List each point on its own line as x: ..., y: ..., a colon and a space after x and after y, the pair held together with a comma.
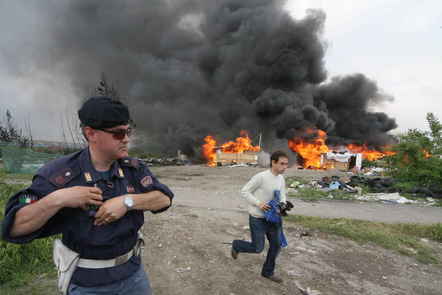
x: 438, y: 203
x: 8, y: 177
x: 292, y: 179
x: 309, y: 194
x: 22, y: 263
x: 313, y: 195
x: 402, y: 238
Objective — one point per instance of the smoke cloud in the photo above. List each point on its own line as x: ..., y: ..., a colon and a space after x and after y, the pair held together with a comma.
x: 190, y: 68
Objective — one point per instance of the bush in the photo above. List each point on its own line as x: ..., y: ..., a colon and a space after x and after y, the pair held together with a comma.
x: 417, y: 161
x: 19, y: 263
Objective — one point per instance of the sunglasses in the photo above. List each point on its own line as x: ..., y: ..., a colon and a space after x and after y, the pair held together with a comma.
x: 118, y: 134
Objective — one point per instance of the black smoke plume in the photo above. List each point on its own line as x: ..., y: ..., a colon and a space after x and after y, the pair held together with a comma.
x: 190, y: 68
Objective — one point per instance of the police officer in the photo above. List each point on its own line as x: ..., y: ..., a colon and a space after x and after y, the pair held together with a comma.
x: 96, y: 198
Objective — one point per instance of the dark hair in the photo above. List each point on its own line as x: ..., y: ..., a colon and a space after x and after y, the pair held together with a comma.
x: 276, y: 155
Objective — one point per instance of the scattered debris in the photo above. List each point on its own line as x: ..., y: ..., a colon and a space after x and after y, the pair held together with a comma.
x: 240, y: 165
x: 386, y: 198
x: 293, y: 273
x: 166, y: 161
x: 306, y: 291
x: 377, y: 184
x: 382, y: 189
x: 183, y: 269
x: 304, y: 234
x: 374, y: 171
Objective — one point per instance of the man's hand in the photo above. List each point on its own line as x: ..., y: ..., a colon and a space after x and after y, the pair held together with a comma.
x: 110, y: 211
x: 79, y: 196
x: 264, y: 207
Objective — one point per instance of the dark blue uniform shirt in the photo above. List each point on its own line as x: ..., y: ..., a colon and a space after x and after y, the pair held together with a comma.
x: 107, y: 241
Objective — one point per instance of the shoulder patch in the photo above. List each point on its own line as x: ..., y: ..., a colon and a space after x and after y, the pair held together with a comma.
x: 62, y: 177
x: 146, y: 181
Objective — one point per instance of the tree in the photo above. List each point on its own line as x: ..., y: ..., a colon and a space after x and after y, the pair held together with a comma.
x: 9, y: 133
x: 417, y: 161
x: 435, y: 134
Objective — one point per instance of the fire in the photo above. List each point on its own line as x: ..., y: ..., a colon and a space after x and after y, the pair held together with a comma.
x: 310, y: 150
x: 209, y: 150
x: 370, y: 154
x: 426, y: 154
x: 240, y: 145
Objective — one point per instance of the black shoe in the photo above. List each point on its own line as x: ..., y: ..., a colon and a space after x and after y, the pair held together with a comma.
x: 274, y: 278
x: 234, y: 253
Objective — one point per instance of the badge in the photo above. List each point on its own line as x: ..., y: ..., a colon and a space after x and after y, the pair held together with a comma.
x: 120, y: 172
x: 146, y: 181
x: 130, y: 189
x: 88, y: 176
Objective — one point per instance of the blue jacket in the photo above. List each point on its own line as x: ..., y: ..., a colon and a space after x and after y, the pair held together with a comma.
x: 273, y: 215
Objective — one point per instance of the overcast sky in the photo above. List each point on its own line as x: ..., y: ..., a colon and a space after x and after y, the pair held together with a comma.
x: 396, y: 43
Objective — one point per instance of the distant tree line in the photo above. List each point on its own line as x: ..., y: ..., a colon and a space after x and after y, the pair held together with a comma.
x: 10, y: 133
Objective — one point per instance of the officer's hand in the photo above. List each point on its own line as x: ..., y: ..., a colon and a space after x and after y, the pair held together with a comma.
x: 264, y: 207
x: 110, y: 211
x: 80, y: 196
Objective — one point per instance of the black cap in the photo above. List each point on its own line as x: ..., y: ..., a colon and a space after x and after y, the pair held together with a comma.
x: 103, y: 112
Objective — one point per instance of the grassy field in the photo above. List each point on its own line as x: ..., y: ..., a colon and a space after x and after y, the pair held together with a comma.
x: 21, y: 263
x: 407, y: 239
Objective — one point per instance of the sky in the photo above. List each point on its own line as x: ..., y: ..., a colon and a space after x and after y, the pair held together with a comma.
x: 396, y: 43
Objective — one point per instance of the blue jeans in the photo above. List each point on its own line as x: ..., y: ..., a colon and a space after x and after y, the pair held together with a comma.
x: 136, y: 284
x: 259, y: 228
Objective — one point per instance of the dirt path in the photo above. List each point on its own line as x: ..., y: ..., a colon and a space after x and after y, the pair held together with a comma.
x: 188, y: 246
x: 188, y: 253
x: 204, y: 187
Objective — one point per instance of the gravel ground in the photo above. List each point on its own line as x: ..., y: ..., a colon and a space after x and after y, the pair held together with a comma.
x: 188, y: 246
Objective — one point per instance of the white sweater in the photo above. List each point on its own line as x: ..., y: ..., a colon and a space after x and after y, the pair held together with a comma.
x: 260, y: 189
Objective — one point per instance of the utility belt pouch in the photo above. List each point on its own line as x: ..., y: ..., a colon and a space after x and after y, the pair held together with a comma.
x: 66, y: 262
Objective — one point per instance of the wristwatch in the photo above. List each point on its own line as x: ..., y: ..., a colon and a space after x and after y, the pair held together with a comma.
x: 128, y: 202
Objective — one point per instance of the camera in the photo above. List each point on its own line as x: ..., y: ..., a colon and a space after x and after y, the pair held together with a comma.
x: 284, y: 207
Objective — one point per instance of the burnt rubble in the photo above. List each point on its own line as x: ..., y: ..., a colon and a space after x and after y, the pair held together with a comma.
x: 167, y: 161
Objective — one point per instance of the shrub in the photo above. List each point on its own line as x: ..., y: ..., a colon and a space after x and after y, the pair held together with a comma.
x: 19, y: 263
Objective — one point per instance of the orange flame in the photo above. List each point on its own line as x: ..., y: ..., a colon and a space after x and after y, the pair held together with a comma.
x: 426, y: 154
x: 240, y: 145
x: 370, y: 154
x: 310, y: 150
x: 209, y: 151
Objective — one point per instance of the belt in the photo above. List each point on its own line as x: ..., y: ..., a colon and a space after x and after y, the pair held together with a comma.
x: 103, y: 263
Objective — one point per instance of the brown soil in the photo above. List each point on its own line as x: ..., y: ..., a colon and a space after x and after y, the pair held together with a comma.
x: 188, y: 246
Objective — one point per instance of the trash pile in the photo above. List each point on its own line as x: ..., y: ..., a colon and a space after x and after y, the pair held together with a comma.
x: 376, y: 184
x: 325, y: 184
x: 382, y: 189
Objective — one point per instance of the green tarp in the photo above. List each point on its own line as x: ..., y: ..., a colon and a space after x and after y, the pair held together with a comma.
x: 23, y: 160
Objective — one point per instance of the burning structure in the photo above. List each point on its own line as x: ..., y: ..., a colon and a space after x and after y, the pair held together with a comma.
x: 239, y: 151
x: 314, y: 153
x: 191, y: 68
